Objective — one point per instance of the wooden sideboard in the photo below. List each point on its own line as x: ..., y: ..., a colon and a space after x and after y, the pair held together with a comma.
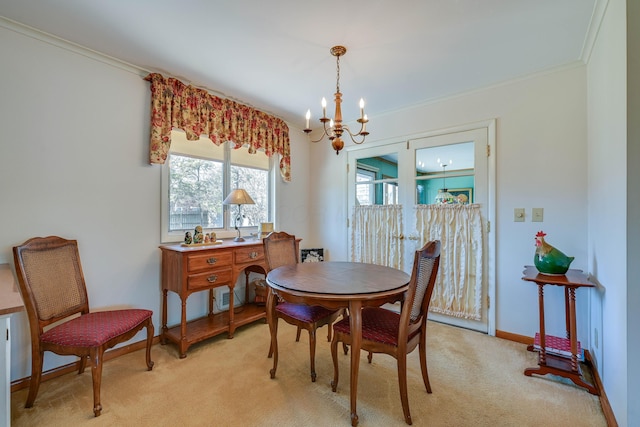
x: 189, y: 269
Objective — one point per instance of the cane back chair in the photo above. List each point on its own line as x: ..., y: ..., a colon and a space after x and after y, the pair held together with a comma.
x: 53, y: 288
x: 397, y: 334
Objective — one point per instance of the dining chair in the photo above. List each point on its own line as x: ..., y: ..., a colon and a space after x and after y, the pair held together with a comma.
x: 280, y: 249
x: 397, y: 334
x: 53, y: 288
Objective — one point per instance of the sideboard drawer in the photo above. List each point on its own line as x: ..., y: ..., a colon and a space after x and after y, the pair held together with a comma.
x: 252, y: 254
x: 207, y: 261
x: 218, y: 276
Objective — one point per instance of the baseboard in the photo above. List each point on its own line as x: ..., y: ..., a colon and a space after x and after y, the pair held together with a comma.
x: 522, y: 339
x: 604, y: 401
x: 609, y: 416
x: 73, y: 367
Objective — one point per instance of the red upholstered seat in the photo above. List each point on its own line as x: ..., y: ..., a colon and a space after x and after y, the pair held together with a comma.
x: 378, y: 325
x: 95, y: 329
x: 304, y: 313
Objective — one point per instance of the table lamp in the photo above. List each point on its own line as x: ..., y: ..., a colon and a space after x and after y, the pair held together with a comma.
x: 238, y: 197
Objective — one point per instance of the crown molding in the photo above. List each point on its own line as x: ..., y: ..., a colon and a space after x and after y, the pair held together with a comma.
x: 61, y: 43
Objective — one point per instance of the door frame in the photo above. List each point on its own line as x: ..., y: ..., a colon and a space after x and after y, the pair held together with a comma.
x: 490, y: 127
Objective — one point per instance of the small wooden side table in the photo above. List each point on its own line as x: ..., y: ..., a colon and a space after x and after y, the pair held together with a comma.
x: 549, y: 361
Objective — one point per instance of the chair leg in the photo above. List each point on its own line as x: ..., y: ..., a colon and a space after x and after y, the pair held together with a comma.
x: 312, y: 353
x: 334, y: 356
x: 96, y: 374
x: 298, y: 334
x: 36, y: 376
x: 423, y: 364
x: 150, y: 330
x: 82, y: 363
x: 402, y: 381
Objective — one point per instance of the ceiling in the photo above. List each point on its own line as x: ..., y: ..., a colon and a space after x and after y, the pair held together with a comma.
x: 274, y: 55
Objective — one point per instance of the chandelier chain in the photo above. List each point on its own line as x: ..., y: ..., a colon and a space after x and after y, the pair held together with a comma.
x: 338, y: 73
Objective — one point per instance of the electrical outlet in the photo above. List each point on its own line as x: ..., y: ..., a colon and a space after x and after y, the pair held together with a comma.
x: 222, y: 298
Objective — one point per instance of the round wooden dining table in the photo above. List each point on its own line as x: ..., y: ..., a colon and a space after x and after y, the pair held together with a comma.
x: 335, y: 285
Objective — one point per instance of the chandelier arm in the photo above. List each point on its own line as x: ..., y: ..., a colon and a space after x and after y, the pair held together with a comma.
x: 355, y: 141
x: 362, y: 132
x: 327, y: 131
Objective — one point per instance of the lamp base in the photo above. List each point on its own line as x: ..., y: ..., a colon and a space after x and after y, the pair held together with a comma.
x: 239, y: 239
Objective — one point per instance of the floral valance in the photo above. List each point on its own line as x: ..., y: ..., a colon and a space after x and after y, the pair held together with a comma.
x: 197, y: 112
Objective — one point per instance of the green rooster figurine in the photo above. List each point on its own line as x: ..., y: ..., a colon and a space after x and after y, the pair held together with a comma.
x: 549, y: 260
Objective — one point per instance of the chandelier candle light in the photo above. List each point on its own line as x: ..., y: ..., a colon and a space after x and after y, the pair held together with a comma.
x: 443, y: 196
x: 336, y: 128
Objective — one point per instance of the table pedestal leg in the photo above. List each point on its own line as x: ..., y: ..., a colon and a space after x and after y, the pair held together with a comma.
x: 355, y: 322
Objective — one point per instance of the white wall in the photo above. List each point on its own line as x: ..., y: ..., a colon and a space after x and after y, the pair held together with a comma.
x: 540, y: 162
x: 74, y: 163
x: 293, y: 198
x: 607, y: 221
x: 613, y: 159
x: 633, y: 210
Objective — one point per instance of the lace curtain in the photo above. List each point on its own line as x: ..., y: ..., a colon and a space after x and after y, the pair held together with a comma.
x: 374, y: 235
x: 197, y: 112
x: 458, y: 289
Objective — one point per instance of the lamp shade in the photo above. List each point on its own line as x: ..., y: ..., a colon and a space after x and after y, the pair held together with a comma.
x: 238, y: 197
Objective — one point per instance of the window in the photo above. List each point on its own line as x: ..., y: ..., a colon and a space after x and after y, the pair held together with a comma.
x: 197, y: 177
x: 377, y: 181
x: 364, y: 187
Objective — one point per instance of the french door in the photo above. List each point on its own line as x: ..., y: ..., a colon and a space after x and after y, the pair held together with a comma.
x: 453, y: 167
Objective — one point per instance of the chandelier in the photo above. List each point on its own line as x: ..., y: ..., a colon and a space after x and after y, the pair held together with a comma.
x: 335, y: 129
x: 443, y: 196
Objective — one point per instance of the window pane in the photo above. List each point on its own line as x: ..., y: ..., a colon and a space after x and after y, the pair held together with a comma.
x: 456, y: 177
x: 195, y: 193
x: 390, y: 193
x: 377, y: 180
x: 255, y: 182
x: 364, y: 188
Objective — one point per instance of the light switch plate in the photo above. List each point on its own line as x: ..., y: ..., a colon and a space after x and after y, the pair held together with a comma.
x: 537, y: 215
x: 518, y: 215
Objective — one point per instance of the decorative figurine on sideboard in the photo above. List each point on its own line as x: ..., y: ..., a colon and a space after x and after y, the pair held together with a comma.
x: 549, y: 260
x: 198, y: 237
x: 187, y: 238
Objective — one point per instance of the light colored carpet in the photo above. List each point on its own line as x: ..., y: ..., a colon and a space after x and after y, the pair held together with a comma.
x: 477, y: 380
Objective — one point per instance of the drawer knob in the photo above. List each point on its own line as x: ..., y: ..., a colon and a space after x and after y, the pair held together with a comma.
x: 212, y: 260
x: 253, y: 255
x: 212, y: 278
